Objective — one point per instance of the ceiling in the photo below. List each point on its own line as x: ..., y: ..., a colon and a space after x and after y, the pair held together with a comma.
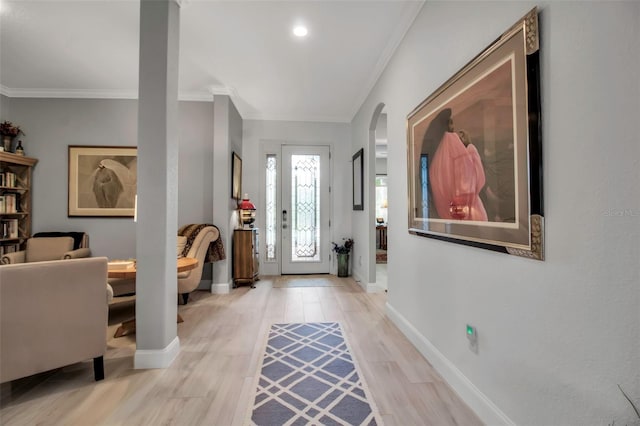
x: 246, y: 49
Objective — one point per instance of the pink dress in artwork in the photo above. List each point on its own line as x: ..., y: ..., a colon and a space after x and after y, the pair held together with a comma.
x: 456, y: 177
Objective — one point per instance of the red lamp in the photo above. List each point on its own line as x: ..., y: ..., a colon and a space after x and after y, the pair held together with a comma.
x: 247, y: 211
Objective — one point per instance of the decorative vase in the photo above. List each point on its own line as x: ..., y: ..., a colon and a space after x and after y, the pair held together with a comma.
x: 19, y: 149
x: 6, y: 142
x: 343, y: 264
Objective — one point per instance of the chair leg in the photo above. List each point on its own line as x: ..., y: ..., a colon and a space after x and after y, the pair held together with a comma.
x: 98, y: 368
x: 185, y: 298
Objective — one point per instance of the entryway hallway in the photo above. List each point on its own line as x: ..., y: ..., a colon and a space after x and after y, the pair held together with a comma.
x: 222, y: 337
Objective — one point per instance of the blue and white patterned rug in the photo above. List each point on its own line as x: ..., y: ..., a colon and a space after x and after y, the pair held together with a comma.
x: 308, y: 376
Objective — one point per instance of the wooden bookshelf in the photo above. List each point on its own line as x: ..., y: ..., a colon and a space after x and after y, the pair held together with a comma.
x: 17, y: 190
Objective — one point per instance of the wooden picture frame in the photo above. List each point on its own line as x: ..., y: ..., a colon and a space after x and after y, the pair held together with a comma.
x: 474, y: 164
x: 102, y: 181
x: 236, y: 177
x: 358, y: 180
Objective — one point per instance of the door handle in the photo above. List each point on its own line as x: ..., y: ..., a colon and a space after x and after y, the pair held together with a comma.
x: 284, y: 219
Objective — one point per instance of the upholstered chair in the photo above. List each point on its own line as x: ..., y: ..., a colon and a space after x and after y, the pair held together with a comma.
x: 52, y: 314
x: 189, y: 280
x: 43, y: 249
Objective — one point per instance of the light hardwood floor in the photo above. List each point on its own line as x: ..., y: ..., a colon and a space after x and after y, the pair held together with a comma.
x: 211, y: 382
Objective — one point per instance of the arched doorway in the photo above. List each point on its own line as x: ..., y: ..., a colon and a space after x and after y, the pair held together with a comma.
x: 378, y: 144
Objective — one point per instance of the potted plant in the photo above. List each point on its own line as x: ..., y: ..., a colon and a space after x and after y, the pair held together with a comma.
x: 8, y: 132
x: 342, y: 252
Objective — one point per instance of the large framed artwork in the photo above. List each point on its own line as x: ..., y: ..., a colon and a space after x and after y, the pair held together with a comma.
x: 358, y: 180
x: 236, y: 176
x: 102, y: 181
x: 474, y: 151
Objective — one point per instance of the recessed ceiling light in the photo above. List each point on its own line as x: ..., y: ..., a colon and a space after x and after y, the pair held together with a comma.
x: 300, y: 31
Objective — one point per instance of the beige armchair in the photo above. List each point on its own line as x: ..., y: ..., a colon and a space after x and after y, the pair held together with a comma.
x: 197, y: 245
x: 52, y: 314
x: 43, y: 249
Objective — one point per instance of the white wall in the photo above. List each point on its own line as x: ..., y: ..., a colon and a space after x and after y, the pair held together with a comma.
x: 256, y: 133
x: 51, y: 125
x: 555, y: 337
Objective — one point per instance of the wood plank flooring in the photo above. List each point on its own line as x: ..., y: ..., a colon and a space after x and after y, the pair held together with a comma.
x: 222, y: 339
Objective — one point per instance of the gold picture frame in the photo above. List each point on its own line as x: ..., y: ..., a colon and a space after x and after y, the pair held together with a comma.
x: 474, y: 151
x: 102, y: 181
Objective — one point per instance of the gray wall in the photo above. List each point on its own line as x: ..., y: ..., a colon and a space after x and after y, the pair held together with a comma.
x: 4, y: 108
x: 555, y: 337
x: 227, y: 139
x: 51, y: 125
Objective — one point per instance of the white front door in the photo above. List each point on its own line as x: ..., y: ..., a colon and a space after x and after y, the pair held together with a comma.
x: 305, y: 210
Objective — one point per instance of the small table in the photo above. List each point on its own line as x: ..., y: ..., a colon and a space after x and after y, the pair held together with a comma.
x: 184, y: 264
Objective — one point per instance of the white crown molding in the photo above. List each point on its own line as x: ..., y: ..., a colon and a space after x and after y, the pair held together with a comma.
x: 223, y: 90
x: 409, y: 15
x: 309, y: 118
x: 197, y: 96
x: 72, y: 93
x: 194, y: 96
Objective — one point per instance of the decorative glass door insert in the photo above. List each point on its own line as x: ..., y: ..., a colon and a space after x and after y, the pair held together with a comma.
x: 305, y: 208
x: 305, y: 212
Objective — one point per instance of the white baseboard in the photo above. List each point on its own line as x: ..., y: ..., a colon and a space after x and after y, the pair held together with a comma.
x: 157, y: 358
x: 374, y: 288
x: 367, y: 287
x: 222, y: 288
x: 360, y: 281
x: 488, y: 412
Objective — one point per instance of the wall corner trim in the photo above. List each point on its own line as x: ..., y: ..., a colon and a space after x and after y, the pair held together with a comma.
x: 373, y: 288
x: 488, y: 412
x: 157, y: 358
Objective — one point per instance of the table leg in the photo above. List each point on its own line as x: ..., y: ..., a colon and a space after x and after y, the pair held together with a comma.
x: 129, y: 326
x: 125, y: 328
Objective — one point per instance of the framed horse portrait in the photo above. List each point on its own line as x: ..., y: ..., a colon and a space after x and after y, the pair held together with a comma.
x: 102, y: 181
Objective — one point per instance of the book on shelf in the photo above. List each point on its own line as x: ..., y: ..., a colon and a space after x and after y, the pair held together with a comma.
x: 10, y: 248
x: 13, y: 228
x: 9, y: 204
x: 3, y: 208
x: 8, y: 179
x: 9, y: 229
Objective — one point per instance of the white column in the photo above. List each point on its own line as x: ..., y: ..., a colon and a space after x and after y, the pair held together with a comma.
x: 156, y: 281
